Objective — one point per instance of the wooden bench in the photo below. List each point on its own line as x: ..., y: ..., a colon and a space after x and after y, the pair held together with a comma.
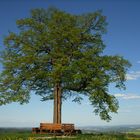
x: 35, y: 130
x: 68, y: 129
x: 55, y: 129
x: 50, y: 128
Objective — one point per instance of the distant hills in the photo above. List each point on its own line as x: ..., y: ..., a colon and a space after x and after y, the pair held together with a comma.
x: 119, y: 128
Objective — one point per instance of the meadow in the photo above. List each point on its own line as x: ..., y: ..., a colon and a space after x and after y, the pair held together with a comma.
x: 25, y: 134
x: 99, y: 136
x: 28, y: 136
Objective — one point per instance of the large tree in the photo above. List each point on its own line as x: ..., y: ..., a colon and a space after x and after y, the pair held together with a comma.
x: 57, y: 55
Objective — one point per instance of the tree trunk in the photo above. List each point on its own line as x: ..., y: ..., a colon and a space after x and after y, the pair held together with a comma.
x: 57, y: 104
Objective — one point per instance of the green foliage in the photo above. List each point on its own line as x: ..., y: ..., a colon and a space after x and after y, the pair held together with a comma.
x: 52, y: 47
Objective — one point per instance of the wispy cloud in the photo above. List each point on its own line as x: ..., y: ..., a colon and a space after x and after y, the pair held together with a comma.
x: 127, y: 96
x: 133, y: 75
x: 138, y: 62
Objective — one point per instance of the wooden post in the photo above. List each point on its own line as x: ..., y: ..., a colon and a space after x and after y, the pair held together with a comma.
x: 57, y: 104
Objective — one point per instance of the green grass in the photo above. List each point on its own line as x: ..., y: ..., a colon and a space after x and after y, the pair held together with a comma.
x: 135, y: 133
x: 101, y: 136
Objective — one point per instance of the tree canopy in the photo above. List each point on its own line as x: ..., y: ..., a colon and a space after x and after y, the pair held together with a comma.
x: 53, y: 47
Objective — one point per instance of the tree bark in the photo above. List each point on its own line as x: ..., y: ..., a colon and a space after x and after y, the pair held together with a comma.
x: 57, y: 104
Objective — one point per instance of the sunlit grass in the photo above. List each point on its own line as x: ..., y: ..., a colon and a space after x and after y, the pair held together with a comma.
x: 100, y: 136
x: 28, y: 136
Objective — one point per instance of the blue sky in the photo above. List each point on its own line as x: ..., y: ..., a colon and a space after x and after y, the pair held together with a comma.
x: 122, y: 38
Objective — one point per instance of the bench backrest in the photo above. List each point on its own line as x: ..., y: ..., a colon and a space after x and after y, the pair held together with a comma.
x: 68, y: 126
x: 50, y: 126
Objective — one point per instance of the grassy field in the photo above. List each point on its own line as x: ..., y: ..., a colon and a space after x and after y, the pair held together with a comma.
x: 136, y: 132
x: 25, y: 134
x: 100, y: 136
